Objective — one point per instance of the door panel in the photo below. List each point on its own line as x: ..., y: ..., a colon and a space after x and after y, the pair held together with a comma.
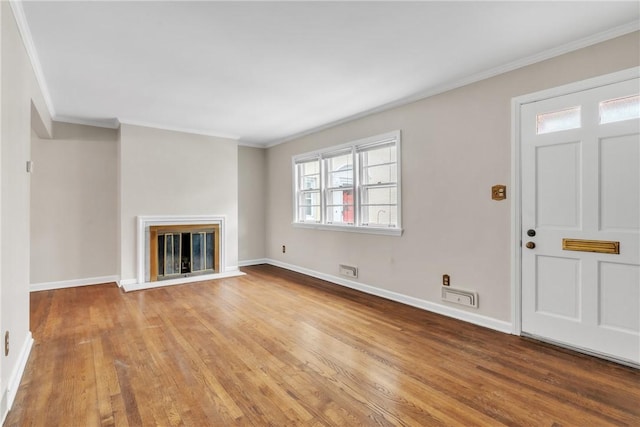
x: 620, y: 183
x: 558, y: 286
x: 558, y: 194
x: 619, y: 297
x: 581, y: 180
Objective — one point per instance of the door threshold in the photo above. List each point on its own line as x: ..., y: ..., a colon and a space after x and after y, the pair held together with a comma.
x: 581, y: 350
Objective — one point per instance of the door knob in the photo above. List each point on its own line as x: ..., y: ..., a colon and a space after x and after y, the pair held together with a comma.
x: 530, y: 245
x: 531, y: 232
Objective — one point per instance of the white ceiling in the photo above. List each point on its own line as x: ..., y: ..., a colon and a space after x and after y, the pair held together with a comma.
x: 264, y: 72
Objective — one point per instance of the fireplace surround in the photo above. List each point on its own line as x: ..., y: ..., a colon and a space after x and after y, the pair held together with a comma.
x: 148, y: 225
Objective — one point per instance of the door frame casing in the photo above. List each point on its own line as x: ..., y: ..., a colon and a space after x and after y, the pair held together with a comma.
x: 516, y: 179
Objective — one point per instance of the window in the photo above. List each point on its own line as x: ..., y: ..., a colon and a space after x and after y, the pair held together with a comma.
x: 556, y: 121
x: 351, y: 187
x: 308, y: 194
x: 339, y: 188
x: 610, y: 111
x: 620, y: 109
x: 379, y: 188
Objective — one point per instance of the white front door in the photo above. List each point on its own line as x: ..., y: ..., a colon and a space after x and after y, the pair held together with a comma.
x: 580, y: 171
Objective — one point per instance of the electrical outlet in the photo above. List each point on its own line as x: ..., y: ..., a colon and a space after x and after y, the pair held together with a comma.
x: 6, y: 343
x: 446, y: 280
x: 284, y: 249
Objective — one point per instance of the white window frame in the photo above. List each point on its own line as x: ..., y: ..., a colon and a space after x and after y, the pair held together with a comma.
x: 355, y: 147
x: 297, y: 193
x: 327, y: 188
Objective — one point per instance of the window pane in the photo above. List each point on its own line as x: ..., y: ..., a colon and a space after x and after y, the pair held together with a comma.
x: 555, y: 121
x: 380, y: 216
x: 340, y: 207
x: 309, y: 198
x: 380, y: 196
x: 309, y: 175
x: 341, y: 178
x: 339, y: 162
x: 617, y: 110
x: 340, y: 171
x: 377, y: 156
x: 310, y: 182
x: 380, y: 155
x: 340, y: 215
x: 309, y: 214
x: 380, y: 174
x: 309, y: 168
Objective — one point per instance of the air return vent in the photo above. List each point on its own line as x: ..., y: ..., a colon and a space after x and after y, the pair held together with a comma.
x: 460, y: 296
x: 349, y: 270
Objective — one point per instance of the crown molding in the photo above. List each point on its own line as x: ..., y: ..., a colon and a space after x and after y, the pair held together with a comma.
x: 25, y: 33
x: 511, y: 66
x: 112, y: 123
x: 178, y: 129
x: 251, y: 144
x: 23, y: 26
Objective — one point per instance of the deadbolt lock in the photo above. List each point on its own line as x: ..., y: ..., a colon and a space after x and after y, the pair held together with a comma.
x: 531, y: 232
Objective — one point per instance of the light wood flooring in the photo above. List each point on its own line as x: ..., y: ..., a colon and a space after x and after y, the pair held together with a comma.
x: 276, y: 348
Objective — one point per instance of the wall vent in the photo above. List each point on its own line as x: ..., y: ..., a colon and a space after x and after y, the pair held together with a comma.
x: 460, y: 296
x: 349, y: 271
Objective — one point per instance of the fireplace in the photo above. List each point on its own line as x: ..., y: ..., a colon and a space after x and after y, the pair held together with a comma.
x: 183, y: 251
x: 176, y: 249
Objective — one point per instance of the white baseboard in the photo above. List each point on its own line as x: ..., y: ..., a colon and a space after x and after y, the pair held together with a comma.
x: 46, y: 286
x: 127, y: 282
x: 253, y: 262
x: 132, y: 285
x: 16, y: 375
x: 476, y: 319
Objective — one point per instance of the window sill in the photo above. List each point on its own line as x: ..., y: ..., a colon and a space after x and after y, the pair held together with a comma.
x: 350, y: 229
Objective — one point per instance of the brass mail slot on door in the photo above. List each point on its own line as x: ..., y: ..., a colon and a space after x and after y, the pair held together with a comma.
x: 600, y: 246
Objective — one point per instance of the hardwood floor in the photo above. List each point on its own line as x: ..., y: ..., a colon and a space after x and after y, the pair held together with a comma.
x: 278, y: 348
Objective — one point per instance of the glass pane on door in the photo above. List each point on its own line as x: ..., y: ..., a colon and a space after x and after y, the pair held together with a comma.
x: 620, y: 109
x: 172, y: 254
x: 161, y: 255
x: 209, y: 252
x: 555, y: 121
x: 197, y: 251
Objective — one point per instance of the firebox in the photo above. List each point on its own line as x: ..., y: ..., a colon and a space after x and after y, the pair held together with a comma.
x: 183, y: 250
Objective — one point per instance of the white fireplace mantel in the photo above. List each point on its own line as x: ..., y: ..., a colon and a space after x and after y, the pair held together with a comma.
x: 142, y: 247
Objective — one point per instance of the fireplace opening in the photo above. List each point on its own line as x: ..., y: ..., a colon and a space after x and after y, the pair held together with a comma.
x: 183, y: 251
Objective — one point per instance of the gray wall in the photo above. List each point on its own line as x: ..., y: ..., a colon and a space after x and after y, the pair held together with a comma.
x: 173, y: 173
x: 74, y: 205
x: 455, y: 146
x: 251, y: 203
x: 22, y: 104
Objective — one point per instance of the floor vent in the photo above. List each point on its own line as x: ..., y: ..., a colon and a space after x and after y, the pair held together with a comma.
x: 460, y: 296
